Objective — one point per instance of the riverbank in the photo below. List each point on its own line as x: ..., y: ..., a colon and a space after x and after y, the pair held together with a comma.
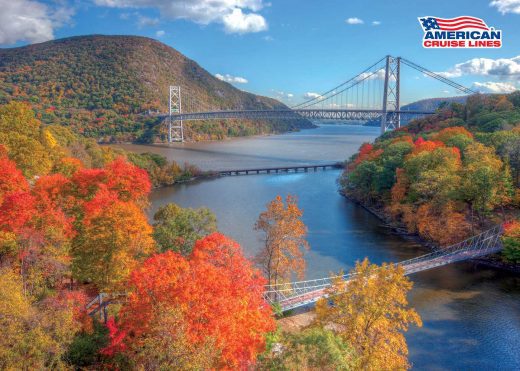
x: 493, y: 261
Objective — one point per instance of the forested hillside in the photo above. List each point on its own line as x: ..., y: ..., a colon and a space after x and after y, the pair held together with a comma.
x: 447, y: 176
x: 104, y: 86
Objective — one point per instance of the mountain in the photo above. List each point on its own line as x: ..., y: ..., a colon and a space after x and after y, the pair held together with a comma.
x: 103, y: 86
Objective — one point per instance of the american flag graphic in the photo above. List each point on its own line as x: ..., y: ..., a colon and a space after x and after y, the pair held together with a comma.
x: 453, y: 24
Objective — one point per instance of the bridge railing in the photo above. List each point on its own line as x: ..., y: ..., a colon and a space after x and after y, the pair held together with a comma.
x: 489, y: 239
x: 486, y: 242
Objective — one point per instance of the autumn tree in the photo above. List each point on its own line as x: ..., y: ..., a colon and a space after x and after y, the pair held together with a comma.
x: 113, y: 238
x: 313, y: 348
x: 437, y: 166
x: 178, y: 228
x: 370, y: 312
x: 486, y: 181
x: 511, y: 241
x: 20, y: 134
x: 37, y: 336
x: 285, y: 240
x: 201, y: 311
x: 443, y: 223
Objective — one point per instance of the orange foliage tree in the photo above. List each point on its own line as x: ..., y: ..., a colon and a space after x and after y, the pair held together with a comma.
x: 211, y: 300
x: 284, y: 246
x: 443, y: 224
x: 446, y: 134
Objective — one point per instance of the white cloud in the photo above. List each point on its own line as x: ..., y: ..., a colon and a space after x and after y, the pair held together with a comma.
x: 238, y: 22
x: 268, y: 38
x: 446, y: 91
x: 160, y: 33
x: 377, y: 75
x: 354, y: 20
x: 237, y: 16
x: 376, y: 23
x: 495, y: 87
x: 311, y: 95
x: 29, y: 20
x: 506, y: 6
x: 231, y: 79
x: 501, y: 67
x: 144, y: 21
x: 281, y: 95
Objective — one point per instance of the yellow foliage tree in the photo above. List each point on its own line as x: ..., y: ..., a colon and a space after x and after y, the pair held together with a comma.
x: 113, y: 240
x: 32, y: 338
x: 370, y: 312
x: 20, y: 134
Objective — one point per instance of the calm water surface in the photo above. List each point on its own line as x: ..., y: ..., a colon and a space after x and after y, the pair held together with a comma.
x: 471, y: 313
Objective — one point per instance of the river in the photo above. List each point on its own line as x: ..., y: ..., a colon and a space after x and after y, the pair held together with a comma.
x: 471, y: 313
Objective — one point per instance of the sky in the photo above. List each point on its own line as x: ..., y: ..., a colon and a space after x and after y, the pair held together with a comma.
x: 288, y: 49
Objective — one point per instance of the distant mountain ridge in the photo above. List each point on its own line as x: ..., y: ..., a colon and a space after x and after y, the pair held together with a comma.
x: 100, y: 86
x: 431, y: 104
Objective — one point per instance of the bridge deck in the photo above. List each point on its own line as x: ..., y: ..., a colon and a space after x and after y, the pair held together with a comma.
x: 295, y: 114
x: 281, y: 169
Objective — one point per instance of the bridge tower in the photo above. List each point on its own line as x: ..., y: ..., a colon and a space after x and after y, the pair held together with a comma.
x: 175, y: 129
x: 391, y: 119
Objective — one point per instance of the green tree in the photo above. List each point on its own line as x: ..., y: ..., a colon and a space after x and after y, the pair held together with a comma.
x: 311, y: 349
x: 511, y: 241
x: 486, y: 182
x: 178, y: 228
x: 433, y: 175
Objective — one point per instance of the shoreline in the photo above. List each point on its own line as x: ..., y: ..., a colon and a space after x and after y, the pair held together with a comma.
x: 490, y: 261
x: 227, y: 138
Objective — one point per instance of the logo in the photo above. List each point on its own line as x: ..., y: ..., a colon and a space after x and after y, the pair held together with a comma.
x: 460, y: 32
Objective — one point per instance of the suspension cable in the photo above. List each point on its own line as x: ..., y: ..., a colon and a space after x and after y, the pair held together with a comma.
x: 438, y: 77
x: 339, y: 86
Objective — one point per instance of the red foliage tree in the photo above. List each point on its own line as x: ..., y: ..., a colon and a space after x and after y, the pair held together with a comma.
x: 11, y: 178
x: 16, y: 211
x: 127, y: 181
x: 216, y: 293
x: 130, y: 182
x: 422, y: 145
x: 86, y: 181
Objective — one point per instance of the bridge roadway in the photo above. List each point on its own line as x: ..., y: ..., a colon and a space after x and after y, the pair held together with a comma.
x: 288, y: 114
x: 283, y: 169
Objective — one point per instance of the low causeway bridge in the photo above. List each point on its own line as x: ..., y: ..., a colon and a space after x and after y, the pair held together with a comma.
x: 282, y: 169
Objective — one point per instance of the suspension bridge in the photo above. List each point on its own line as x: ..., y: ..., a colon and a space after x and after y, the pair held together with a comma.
x: 297, y: 294
x: 373, y: 94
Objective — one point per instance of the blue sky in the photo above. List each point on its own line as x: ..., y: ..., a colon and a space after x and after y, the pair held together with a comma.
x: 287, y: 48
